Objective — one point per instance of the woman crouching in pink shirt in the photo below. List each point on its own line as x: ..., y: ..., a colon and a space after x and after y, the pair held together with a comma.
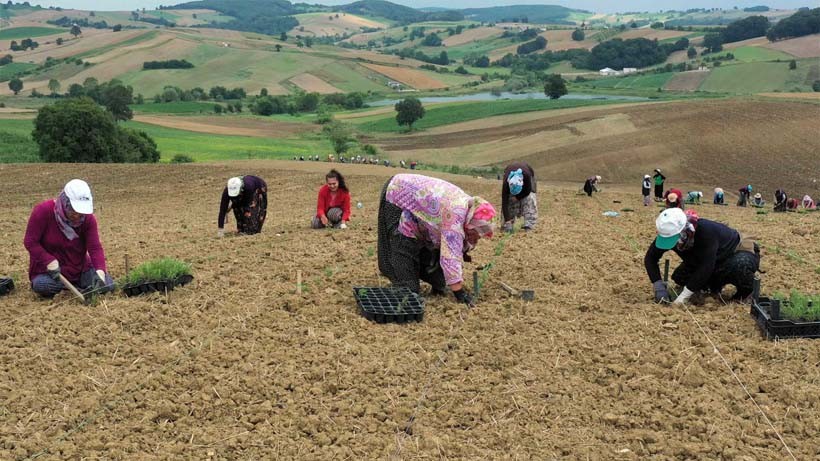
x: 62, y: 239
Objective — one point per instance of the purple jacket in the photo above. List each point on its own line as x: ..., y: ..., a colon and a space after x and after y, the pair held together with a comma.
x: 45, y: 242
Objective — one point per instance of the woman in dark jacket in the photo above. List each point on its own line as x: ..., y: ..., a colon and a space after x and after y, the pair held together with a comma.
x: 248, y: 197
x: 658, y: 179
x: 518, y: 196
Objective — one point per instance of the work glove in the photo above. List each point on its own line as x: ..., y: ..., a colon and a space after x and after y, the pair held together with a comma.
x: 54, y: 269
x: 683, y: 297
x: 467, y: 258
x: 342, y: 226
x: 508, y: 227
x: 220, y: 233
x: 98, y: 284
x: 661, y: 293
x: 463, y: 297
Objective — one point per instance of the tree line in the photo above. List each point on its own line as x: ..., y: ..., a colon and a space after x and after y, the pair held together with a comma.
x: 169, y: 64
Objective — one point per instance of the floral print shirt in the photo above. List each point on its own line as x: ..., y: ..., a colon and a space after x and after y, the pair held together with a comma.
x: 434, y: 211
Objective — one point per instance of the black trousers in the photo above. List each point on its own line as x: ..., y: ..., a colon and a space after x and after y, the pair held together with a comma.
x: 658, y: 190
x: 738, y: 270
x: 404, y: 260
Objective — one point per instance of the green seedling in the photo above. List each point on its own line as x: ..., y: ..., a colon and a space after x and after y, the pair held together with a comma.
x: 370, y: 252
x: 795, y: 257
x: 799, y: 306
x: 158, y: 269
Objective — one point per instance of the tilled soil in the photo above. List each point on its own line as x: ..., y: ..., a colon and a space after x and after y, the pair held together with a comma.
x: 238, y: 366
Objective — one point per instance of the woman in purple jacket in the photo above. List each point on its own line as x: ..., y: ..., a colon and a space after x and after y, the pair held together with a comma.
x: 62, y: 239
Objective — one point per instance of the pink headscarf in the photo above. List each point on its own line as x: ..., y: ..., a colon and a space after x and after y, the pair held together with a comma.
x: 61, y: 205
x: 480, y: 217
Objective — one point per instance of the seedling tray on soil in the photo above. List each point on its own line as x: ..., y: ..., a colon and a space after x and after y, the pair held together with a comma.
x: 389, y: 304
x: 136, y: 289
x: 767, y: 315
x: 6, y: 285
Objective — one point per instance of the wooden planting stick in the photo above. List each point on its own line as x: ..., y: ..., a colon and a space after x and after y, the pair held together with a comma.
x: 476, y: 286
x: 298, y: 282
x: 126, y: 265
x: 509, y: 289
x: 666, y: 270
x: 72, y: 288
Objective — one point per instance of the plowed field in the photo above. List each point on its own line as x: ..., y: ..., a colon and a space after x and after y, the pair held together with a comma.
x: 238, y: 366
x: 411, y: 77
x: 727, y: 143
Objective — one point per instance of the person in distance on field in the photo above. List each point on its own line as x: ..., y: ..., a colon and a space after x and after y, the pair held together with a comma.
x: 646, y: 189
x: 62, y: 239
x: 694, y: 197
x: 743, y: 195
x: 673, y: 198
x: 792, y: 204
x: 248, y: 197
x: 714, y: 255
x: 717, y: 199
x: 333, y: 204
x: 591, y: 185
x: 757, y: 201
x: 808, y: 203
x: 426, y: 228
x: 780, y: 199
x: 658, y: 179
x: 518, y: 196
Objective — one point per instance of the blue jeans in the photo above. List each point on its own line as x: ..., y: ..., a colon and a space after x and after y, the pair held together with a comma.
x: 47, y: 287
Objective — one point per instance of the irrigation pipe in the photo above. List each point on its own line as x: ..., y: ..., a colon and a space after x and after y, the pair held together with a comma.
x: 731, y: 370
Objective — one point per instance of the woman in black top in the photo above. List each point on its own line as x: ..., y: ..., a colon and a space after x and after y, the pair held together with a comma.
x: 714, y: 255
x: 248, y: 197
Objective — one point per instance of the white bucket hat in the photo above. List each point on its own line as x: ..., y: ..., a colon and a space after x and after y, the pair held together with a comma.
x: 79, y: 194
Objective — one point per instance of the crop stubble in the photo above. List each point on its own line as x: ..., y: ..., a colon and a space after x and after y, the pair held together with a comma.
x: 239, y: 366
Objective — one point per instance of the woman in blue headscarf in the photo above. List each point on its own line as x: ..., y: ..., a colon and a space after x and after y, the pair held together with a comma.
x: 518, y: 196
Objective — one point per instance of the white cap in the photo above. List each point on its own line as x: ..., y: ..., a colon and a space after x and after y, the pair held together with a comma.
x: 79, y: 194
x: 598, y: 178
x: 646, y: 176
x: 234, y: 186
x: 670, y: 223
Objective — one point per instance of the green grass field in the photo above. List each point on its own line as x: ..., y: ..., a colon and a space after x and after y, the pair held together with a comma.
x: 214, y: 17
x: 16, y: 33
x: 481, y: 47
x: 10, y: 70
x: 648, y: 81
x: 16, y: 144
x: 758, y: 77
x: 463, y: 112
x: 758, y: 53
x: 175, y: 108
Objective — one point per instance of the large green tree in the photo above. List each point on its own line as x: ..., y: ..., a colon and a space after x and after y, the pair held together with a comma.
x: 77, y: 130
x: 409, y: 111
x: 116, y: 97
x: 16, y: 85
x: 555, y: 86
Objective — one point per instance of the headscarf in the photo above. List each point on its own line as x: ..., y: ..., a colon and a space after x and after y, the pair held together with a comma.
x: 718, y: 191
x: 807, y: 201
x: 61, y: 205
x: 516, y: 181
x: 687, y: 237
x: 480, y: 217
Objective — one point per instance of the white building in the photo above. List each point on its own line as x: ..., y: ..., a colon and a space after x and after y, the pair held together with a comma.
x: 630, y: 70
x: 606, y: 71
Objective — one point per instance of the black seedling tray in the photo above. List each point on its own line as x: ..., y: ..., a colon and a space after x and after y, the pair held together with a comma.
x: 6, y: 285
x: 389, y: 304
x: 774, y: 327
x: 136, y: 289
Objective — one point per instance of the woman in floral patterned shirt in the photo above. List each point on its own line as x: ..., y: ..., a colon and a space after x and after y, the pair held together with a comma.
x: 426, y: 228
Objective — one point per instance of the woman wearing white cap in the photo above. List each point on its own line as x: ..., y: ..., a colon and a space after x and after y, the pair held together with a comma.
x: 62, y: 239
x: 646, y: 188
x: 591, y: 185
x: 757, y: 201
x: 248, y: 197
x: 714, y: 255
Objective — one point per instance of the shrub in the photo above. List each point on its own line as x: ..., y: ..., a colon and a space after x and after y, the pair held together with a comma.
x: 182, y: 158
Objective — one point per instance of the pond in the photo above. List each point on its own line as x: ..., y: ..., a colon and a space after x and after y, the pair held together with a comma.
x: 507, y: 96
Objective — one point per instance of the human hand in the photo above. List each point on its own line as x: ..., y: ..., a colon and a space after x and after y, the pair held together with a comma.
x: 324, y: 220
x: 54, y: 269
x: 508, y: 227
x: 661, y: 292
x: 98, y: 283
x: 463, y: 297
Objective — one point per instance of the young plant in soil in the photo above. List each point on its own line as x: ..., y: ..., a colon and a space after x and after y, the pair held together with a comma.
x: 158, y: 270
x: 799, y: 306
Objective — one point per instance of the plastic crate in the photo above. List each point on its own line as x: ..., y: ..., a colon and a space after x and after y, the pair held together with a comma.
x: 6, y: 285
x: 156, y: 286
x: 774, y: 327
x: 389, y: 304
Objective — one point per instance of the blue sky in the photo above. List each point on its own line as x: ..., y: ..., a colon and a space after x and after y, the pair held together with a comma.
x: 592, y: 5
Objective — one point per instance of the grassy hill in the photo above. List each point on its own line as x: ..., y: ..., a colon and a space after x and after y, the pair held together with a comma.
x: 536, y: 14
